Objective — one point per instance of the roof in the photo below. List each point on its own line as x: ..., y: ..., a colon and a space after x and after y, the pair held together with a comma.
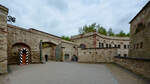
x: 3, y: 7
x: 44, y: 32
x: 140, y: 11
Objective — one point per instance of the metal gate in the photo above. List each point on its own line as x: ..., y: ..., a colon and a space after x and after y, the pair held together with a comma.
x: 58, y: 53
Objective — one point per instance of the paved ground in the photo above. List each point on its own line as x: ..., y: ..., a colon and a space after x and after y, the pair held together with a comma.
x: 69, y: 73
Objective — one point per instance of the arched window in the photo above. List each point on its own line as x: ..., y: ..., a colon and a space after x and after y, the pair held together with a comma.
x: 109, y: 45
x: 101, y: 45
x: 140, y: 27
x: 106, y: 45
x: 141, y: 45
x: 82, y: 46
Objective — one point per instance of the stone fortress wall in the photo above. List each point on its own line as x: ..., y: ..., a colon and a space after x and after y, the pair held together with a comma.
x: 97, y: 55
x: 20, y: 37
x: 90, y: 47
x: 138, y: 60
x: 96, y: 40
x: 3, y: 39
x: 140, y: 34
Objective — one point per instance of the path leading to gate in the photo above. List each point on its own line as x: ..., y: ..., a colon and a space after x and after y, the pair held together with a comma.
x: 69, y: 73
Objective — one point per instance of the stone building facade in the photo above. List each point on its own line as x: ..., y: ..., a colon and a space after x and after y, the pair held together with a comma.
x: 96, y: 40
x: 70, y: 51
x: 31, y: 39
x: 140, y: 34
x: 138, y: 60
x: 24, y: 46
x: 3, y: 39
x: 19, y: 45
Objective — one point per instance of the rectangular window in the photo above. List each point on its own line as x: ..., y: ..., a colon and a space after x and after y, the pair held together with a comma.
x: 141, y: 45
x: 115, y: 46
x: 118, y: 46
x: 125, y: 47
x: 109, y: 45
x: 106, y: 45
x: 102, y: 45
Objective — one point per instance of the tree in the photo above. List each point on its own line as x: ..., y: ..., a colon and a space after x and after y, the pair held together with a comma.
x: 128, y: 34
x: 11, y: 19
x: 121, y: 34
x: 110, y: 32
x: 87, y: 29
x: 101, y: 30
x: 66, y: 38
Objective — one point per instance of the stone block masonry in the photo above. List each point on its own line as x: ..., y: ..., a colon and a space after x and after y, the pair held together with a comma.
x: 97, y: 55
x: 3, y: 39
x: 138, y: 66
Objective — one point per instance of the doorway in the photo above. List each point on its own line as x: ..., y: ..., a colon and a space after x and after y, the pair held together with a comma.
x: 23, y: 56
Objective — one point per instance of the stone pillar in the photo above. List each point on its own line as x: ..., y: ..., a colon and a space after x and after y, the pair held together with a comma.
x: 3, y: 39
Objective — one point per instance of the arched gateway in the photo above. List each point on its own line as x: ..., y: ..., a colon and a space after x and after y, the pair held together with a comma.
x: 20, y: 54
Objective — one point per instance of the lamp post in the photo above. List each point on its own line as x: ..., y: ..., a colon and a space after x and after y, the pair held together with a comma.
x: 41, y: 51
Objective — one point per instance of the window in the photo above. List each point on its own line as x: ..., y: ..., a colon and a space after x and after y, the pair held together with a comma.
x: 137, y: 46
x: 119, y: 55
x: 128, y: 46
x: 115, y: 46
x: 125, y: 46
x: 109, y: 45
x: 106, y: 45
x: 82, y: 46
x: 141, y: 45
x: 125, y: 55
x: 102, y: 45
x: 140, y: 27
x: 118, y: 46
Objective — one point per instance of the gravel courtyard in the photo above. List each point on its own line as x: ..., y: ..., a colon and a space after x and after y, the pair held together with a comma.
x: 69, y: 73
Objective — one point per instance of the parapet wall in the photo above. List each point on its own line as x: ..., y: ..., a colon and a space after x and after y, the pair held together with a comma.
x: 96, y: 55
x: 138, y: 66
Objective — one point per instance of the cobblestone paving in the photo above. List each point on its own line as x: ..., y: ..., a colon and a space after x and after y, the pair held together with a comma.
x: 65, y: 73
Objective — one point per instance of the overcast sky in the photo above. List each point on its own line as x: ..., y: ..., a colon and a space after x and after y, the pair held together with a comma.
x: 64, y: 17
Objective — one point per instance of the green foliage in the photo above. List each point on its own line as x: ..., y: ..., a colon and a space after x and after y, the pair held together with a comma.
x: 87, y: 29
x: 101, y: 30
x: 66, y: 38
x: 110, y: 32
x: 121, y: 34
x: 128, y: 34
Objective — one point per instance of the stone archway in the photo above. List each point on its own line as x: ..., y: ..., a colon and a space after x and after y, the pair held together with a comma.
x: 19, y: 52
x: 48, y: 51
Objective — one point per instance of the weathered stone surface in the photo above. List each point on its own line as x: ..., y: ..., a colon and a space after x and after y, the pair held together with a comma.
x: 70, y: 49
x: 140, y: 34
x: 3, y: 66
x: 140, y: 67
x: 97, y: 55
x: 3, y: 39
x: 95, y: 40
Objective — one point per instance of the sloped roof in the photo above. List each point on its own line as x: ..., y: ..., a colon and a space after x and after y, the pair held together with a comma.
x: 141, y: 11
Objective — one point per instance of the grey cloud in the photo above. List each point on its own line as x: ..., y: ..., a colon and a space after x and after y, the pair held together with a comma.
x: 64, y: 17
